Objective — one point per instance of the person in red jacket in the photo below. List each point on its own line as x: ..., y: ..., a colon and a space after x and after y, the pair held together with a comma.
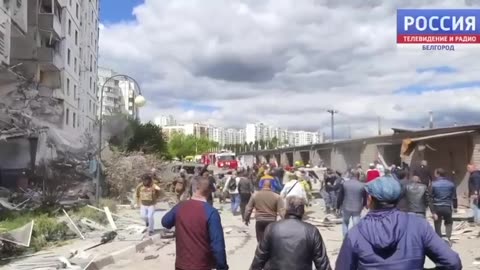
x: 372, y: 173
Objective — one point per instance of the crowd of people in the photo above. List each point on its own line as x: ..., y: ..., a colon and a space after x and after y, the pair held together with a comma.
x: 394, y: 233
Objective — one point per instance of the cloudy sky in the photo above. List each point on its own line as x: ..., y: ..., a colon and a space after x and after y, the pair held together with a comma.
x: 285, y: 62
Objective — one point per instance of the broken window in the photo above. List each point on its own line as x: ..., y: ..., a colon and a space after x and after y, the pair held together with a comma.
x: 68, y: 56
x: 74, y: 119
x: 76, y: 11
x: 69, y: 27
x: 46, y: 6
x: 76, y: 37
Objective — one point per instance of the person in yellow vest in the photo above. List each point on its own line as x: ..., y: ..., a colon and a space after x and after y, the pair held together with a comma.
x: 147, y: 194
x: 306, y: 186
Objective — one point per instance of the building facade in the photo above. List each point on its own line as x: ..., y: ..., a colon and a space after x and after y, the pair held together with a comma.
x: 261, y: 132
x: 129, y: 92
x: 13, y: 25
x: 165, y: 120
x: 217, y: 134
x: 196, y: 129
x: 297, y: 138
x: 59, y: 52
x: 113, y: 99
x: 119, y: 93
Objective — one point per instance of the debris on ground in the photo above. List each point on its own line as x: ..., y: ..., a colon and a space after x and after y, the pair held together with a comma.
x: 21, y: 236
x: 106, y: 238
x: 151, y: 257
x: 51, y: 261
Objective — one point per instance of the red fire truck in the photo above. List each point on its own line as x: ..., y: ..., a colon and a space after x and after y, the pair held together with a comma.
x: 208, y: 158
x: 227, y: 160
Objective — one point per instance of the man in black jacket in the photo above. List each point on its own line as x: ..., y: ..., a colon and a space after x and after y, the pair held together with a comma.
x: 245, y: 189
x: 417, y: 197
x: 291, y: 244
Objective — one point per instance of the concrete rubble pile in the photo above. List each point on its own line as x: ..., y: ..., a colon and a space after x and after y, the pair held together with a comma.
x: 24, y: 111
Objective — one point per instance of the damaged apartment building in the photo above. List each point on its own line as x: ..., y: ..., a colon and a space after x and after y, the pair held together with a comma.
x: 48, y: 81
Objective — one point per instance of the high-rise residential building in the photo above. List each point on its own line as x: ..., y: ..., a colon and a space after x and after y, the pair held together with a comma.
x: 240, y: 136
x: 13, y: 28
x: 119, y: 93
x: 217, y: 134
x: 129, y: 92
x: 165, y: 120
x: 256, y: 132
x: 297, y: 138
x: 250, y: 133
x: 59, y: 52
x: 113, y: 99
x: 196, y: 129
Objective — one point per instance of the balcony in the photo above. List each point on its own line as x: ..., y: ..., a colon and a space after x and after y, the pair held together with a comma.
x: 50, y: 59
x: 50, y: 22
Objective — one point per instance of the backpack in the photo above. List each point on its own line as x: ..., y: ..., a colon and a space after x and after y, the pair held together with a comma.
x: 232, y: 184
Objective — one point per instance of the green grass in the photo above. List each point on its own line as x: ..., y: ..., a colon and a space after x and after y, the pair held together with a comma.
x: 46, y: 230
x: 95, y: 215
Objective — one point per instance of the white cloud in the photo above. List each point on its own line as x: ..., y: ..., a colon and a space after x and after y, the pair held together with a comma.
x: 285, y: 62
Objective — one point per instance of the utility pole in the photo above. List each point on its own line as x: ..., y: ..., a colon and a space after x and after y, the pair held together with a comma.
x: 431, y: 119
x: 332, y: 113
x: 349, y: 131
x: 379, y: 119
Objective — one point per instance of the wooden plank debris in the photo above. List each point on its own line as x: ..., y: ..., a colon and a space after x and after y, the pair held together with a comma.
x: 110, y: 218
x: 74, y: 225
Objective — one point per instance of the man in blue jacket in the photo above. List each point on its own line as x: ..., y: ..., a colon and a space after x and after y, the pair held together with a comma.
x: 387, y: 238
x: 444, y: 197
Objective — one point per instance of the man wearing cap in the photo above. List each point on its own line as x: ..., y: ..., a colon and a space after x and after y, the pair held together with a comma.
x: 387, y: 238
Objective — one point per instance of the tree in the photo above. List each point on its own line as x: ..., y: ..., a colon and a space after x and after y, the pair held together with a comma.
x: 245, y: 147
x: 255, y: 144
x: 147, y: 138
x: 274, y: 142
x: 250, y: 146
x: 237, y: 148
x: 262, y: 144
x: 181, y: 145
x: 131, y: 135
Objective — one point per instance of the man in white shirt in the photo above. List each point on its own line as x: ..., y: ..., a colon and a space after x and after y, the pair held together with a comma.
x: 293, y: 188
x: 231, y: 185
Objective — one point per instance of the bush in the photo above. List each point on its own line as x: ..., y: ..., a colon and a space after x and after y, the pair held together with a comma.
x: 47, y: 231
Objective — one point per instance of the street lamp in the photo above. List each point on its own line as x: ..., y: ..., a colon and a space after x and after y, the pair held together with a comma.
x: 138, y: 102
